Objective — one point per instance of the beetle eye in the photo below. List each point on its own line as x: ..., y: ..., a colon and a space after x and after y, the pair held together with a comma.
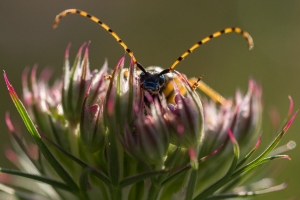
x: 161, y: 79
x: 142, y: 75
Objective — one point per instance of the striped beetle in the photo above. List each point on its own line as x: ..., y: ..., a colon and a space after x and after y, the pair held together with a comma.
x: 155, y: 79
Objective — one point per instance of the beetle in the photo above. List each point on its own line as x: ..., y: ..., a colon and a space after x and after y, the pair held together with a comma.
x: 156, y: 80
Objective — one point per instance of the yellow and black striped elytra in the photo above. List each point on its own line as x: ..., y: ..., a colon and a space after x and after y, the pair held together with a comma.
x: 156, y: 80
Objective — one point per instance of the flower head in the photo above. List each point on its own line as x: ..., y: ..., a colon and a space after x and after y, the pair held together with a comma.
x: 242, y: 115
x: 98, y: 135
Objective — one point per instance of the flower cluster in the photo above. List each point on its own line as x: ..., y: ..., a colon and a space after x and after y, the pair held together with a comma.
x: 98, y: 134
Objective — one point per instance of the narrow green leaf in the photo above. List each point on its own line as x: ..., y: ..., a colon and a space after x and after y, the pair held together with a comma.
x: 134, y: 179
x: 247, y: 170
x: 248, y: 194
x: 22, y: 146
x: 37, y: 139
x: 176, y: 174
x: 275, y: 141
x: 169, y: 163
x: 183, y: 169
x: 98, y: 174
x: 191, y: 184
x: 42, y: 179
x: 254, y: 165
x: 243, y: 161
x: 217, y: 185
x: 22, y: 195
x: 238, y: 175
x: 84, y: 179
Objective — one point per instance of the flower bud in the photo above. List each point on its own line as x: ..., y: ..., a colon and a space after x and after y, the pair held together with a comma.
x: 122, y: 95
x: 186, y: 121
x: 186, y: 118
x: 99, y: 84
x: 75, y: 83
x: 92, y: 128
x: 149, y: 140
x: 242, y: 116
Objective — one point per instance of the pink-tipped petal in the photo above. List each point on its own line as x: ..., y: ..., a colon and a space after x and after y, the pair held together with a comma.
x: 193, y: 158
x: 86, y: 52
x: 258, y: 141
x: 10, y: 88
x: 89, y: 88
x: 94, y: 109
x: 67, y: 51
x: 5, y: 178
x: 25, y: 76
x: 33, y: 74
x: 180, y: 128
x: 8, y: 122
x: 192, y: 154
x: 80, y: 49
x: 11, y: 156
x: 231, y: 136
x: 287, y: 157
x: 212, y: 153
x: 291, y: 105
x: 251, y: 84
x: 110, y: 105
x: 215, y: 151
x: 149, y: 97
x: 120, y: 62
x: 45, y: 75
x: 290, y: 122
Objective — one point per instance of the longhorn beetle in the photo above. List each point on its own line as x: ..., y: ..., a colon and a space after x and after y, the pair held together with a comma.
x: 155, y: 79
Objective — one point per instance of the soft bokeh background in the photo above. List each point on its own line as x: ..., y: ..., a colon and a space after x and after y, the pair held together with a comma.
x: 158, y: 32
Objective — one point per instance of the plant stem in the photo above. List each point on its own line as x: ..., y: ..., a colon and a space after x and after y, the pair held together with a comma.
x: 73, y: 131
x: 73, y: 139
x: 154, y: 191
x: 115, y: 193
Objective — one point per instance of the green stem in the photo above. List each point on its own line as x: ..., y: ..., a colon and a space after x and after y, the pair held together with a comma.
x: 154, y: 191
x: 191, y: 184
x: 73, y: 138
x: 115, y: 193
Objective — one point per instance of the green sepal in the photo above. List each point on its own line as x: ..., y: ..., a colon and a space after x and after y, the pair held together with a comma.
x: 37, y: 139
x: 42, y: 179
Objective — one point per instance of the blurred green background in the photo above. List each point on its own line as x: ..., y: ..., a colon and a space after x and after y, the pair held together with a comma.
x: 158, y: 32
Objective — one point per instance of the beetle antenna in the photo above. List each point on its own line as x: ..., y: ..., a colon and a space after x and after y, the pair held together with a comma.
x: 245, y: 34
x: 103, y: 25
